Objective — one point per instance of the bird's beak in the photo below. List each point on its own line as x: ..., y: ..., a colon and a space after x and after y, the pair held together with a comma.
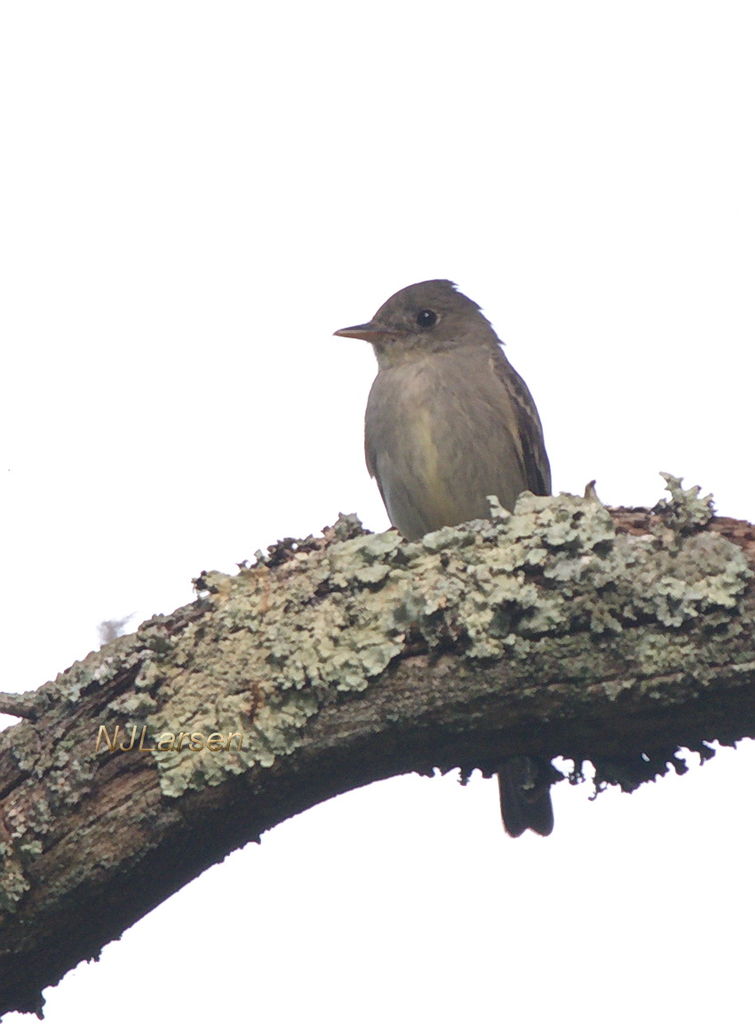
x: 365, y: 332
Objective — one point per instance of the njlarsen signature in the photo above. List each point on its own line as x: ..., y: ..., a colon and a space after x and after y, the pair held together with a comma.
x: 135, y: 738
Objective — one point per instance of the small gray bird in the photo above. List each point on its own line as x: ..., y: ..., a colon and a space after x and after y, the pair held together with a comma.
x: 448, y: 422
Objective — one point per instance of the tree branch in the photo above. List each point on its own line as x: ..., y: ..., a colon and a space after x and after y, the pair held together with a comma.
x: 332, y: 662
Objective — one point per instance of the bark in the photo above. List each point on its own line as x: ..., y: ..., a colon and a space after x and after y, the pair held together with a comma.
x: 565, y: 629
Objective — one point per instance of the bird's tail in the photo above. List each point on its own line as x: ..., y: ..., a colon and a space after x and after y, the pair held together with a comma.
x: 524, y: 785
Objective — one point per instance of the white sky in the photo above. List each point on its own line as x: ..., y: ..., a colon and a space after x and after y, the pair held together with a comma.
x: 193, y: 196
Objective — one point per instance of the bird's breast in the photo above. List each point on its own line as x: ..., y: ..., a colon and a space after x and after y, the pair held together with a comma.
x: 433, y: 442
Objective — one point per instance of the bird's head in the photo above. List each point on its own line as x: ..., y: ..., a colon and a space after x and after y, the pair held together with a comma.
x: 431, y: 316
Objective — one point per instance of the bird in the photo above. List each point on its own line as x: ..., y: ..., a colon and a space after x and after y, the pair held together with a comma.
x: 449, y: 422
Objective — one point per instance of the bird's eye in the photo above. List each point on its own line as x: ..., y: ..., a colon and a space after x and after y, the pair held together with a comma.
x: 426, y: 318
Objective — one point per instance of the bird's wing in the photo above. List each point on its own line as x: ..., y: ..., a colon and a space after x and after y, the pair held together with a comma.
x: 535, y: 465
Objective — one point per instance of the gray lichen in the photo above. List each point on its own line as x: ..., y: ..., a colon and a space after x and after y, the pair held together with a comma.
x: 265, y: 650
x: 270, y: 656
x: 685, y: 510
x: 249, y: 665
